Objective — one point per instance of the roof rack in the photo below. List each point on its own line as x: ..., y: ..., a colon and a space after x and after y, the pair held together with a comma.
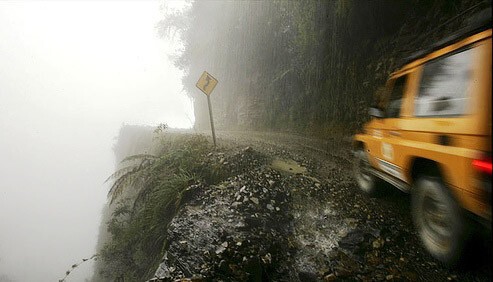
x: 478, y: 22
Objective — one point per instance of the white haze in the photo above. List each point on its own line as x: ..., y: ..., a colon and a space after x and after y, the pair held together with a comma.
x: 71, y: 73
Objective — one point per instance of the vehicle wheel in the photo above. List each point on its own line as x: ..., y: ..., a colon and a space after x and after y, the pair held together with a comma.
x: 439, y: 221
x: 367, y: 182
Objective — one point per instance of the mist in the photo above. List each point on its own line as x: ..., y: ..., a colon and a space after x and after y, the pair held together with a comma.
x: 71, y: 73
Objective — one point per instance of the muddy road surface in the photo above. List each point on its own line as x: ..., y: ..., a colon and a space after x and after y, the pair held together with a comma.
x: 293, y: 212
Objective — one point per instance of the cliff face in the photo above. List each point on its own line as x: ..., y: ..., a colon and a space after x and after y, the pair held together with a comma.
x: 308, y: 66
x: 131, y: 140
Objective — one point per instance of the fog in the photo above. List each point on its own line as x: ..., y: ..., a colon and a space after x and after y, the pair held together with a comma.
x: 71, y: 73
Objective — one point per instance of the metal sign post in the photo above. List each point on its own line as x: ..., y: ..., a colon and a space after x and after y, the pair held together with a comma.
x: 206, y: 84
x: 212, y: 120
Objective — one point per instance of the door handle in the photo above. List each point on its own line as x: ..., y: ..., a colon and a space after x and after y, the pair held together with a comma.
x: 394, y: 133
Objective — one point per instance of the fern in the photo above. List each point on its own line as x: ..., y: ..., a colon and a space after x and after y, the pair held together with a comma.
x: 127, y: 176
x: 139, y: 157
x: 138, y: 226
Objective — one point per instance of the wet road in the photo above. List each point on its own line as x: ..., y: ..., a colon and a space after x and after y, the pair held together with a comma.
x: 294, y: 213
x: 388, y: 216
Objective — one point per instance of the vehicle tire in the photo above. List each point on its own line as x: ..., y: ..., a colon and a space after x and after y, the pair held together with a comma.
x: 439, y: 220
x: 367, y: 182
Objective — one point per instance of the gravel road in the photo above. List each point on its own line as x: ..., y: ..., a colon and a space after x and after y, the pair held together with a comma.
x: 291, y: 211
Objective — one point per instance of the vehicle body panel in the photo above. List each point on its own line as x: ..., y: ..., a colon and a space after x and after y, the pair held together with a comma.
x: 452, y: 142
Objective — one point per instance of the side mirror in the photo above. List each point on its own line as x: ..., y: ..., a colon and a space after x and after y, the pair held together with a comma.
x: 374, y: 112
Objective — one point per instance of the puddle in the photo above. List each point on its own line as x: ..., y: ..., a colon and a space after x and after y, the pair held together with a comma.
x: 289, y: 166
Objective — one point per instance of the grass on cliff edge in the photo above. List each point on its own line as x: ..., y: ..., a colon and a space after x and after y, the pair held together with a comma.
x: 147, y: 194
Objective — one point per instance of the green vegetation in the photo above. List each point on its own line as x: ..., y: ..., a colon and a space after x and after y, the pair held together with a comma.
x: 147, y: 194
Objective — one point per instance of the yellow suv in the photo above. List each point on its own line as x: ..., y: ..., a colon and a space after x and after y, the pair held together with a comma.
x: 430, y: 135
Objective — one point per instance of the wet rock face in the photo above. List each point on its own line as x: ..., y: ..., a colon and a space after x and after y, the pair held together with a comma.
x: 235, y: 231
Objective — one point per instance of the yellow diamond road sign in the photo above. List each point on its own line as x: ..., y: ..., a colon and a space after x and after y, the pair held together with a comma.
x: 206, y: 83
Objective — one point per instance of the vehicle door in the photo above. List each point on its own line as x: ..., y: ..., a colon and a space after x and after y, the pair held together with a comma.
x: 391, y: 159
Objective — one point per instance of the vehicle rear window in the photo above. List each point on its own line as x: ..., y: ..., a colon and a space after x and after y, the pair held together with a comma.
x: 444, y: 83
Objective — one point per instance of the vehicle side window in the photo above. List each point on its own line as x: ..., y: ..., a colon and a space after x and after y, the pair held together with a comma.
x: 395, y: 102
x: 444, y: 83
